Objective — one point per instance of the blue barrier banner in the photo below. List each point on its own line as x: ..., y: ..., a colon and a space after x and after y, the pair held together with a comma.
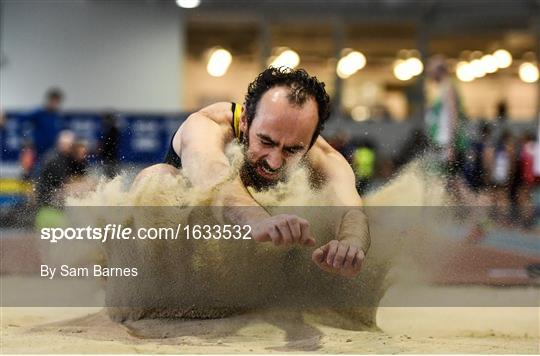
x: 144, y: 138
x: 13, y: 135
x: 86, y: 126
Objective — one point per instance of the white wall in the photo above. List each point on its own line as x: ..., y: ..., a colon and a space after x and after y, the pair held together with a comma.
x: 125, y: 55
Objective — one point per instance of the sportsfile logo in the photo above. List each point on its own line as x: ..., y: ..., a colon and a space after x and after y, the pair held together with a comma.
x: 120, y: 232
x: 109, y: 232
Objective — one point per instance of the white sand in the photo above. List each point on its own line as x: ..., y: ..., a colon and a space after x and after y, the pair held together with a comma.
x: 404, y: 330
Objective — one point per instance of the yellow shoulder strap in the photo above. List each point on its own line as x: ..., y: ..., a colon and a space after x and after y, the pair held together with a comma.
x: 237, y: 112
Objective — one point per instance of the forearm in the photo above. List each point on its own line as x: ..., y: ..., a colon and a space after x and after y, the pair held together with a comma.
x: 354, y: 228
x: 234, y: 204
x: 207, y: 176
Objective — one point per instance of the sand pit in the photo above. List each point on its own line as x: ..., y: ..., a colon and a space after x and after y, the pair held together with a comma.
x: 400, y: 329
x: 403, y: 330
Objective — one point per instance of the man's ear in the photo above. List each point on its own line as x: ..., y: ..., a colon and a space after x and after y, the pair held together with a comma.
x: 243, y: 121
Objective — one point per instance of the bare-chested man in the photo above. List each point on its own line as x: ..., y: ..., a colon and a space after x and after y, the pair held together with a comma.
x: 279, y: 126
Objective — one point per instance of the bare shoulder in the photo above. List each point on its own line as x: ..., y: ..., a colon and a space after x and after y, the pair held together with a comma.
x: 211, y: 123
x: 323, y: 158
x: 332, y: 171
x: 220, y: 112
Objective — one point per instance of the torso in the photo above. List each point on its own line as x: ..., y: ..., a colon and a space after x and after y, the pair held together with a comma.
x: 318, y: 158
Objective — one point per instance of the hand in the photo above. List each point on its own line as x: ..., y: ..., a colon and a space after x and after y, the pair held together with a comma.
x: 340, y: 257
x: 284, y: 229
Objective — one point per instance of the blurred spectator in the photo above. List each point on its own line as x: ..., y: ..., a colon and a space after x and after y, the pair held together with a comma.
x: 502, y: 174
x: 536, y: 168
x: 2, y: 119
x: 445, y: 123
x: 27, y: 159
x: 80, y: 183
x: 385, y: 168
x: 445, y: 119
x: 64, y: 146
x: 524, y: 181
x: 47, y: 122
x: 364, y: 165
x: 55, y: 172
x: 79, y: 164
x: 62, y: 175
x: 416, y: 144
x: 381, y: 112
x: 476, y: 165
x: 108, y: 145
x: 502, y: 111
x: 340, y: 141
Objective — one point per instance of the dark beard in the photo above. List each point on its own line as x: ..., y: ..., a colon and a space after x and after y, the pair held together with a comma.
x: 250, y: 177
x: 248, y: 171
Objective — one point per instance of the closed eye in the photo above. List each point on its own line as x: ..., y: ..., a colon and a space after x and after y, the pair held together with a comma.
x: 265, y: 140
x: 292, y: 150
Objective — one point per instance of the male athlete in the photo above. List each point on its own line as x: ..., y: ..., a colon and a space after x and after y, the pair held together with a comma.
x: 279, y: 126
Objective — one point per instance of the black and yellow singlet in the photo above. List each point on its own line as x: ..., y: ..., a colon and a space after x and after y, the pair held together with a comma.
x: 174, y: 160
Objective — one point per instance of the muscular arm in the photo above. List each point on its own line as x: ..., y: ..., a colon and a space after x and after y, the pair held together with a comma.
x: 201, y: 142
x: 235, y: 204
x: 341, y: 183
x: 345, y: 254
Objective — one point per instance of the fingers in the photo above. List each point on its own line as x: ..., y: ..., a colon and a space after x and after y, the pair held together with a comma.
x: 350, y: 257
x: 318, y: 255
x: 332, y: 250
x: 341, y: 253
x: 285, y: 232
x: 274, y: 235
x: 307, y: 238
x: 262, y: 237
x: 359, y: 259
x: 339, y: 257
x: 296, y: 230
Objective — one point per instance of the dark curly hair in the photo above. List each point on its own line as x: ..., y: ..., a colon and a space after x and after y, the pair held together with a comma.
x: 302, y: 87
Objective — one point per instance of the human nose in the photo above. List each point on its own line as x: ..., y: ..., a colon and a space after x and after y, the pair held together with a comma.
x: 274, y: 159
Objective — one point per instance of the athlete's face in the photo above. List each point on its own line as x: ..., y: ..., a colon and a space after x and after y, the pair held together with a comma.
x: 279, y: 136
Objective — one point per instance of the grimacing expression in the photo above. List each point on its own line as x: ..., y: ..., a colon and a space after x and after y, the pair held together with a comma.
x: 278, y: 137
